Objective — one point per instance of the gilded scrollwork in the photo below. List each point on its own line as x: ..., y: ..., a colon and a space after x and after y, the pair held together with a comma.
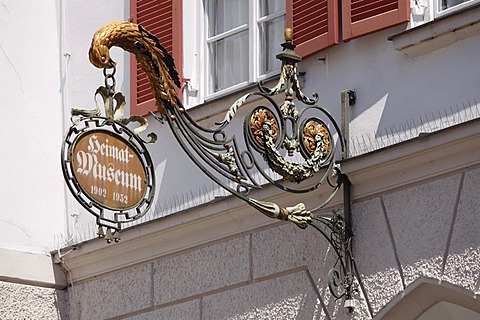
x: 228, y: 159
x: 258, y: 118
x: 290, y: 171
x: 311, y: 130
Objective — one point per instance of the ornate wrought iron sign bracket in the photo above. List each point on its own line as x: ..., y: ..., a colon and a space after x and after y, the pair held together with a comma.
x: 275, y: 144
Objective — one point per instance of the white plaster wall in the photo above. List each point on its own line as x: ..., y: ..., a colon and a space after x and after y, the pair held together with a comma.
x: 82, y: 19
x: 81, y: 79
x: 178, y: 181
x: 31, y: 187
x: 393, y: 89
x: 45, y: 72
x: 35, y: 87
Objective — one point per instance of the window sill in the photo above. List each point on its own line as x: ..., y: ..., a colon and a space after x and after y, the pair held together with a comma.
x: 246, y: 86
x: 437, y: 34
x: 217, y: 105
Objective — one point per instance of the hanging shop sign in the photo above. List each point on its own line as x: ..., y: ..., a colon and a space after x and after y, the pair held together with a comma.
x: 107, y: 166
x: 108, y: 170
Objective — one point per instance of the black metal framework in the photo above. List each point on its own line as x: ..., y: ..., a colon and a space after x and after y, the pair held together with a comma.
x: 293, y: 150
x: 260, y: 142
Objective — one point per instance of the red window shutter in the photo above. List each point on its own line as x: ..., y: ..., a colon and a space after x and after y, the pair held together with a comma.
x: 163, y: 19
x: 360, y: 17
x: 314, y: 24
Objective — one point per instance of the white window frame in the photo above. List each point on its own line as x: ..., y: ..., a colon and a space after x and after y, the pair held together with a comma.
x: 260, y: 20
x: 437, y: 12
x: 254, y: 50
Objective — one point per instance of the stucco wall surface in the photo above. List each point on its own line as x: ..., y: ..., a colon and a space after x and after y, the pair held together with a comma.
x: 20, y: 302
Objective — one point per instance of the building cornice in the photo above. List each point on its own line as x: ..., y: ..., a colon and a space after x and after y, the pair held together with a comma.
x: 425, y: 157
x: 217, y: 220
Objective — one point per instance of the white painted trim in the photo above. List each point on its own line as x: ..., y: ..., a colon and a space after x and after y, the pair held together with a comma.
x: 439, y: 33
x: 229, y: 90
x: 271, y: 16
x: 461, y: 6
x: 227, y: 33
x: 37, y: 269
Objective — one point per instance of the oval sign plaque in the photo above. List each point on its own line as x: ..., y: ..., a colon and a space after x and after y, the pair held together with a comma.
x: 108, y: 170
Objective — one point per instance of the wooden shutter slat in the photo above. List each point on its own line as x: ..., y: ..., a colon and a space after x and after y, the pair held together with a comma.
x: 364, y: 9
x: 310, y: 30
x: 143, y: 87
x: 159, y: 27
x: 141, y: 83
x: 361, y: 17
x: 315, y: 17
x: 320, y: 10
x: 146, y: 10
x: 314, y: 24
x: 375, y: 11
x: 152, y: 17
x: 163, y: 19
x: 144, y: 95
x: 304, y: 6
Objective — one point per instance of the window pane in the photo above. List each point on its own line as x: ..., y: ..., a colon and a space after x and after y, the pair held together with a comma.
x: 224, y: 15
x: 271, y: 6
x: 271, y: 36
x: 228, y: 61
x: 445, y: 4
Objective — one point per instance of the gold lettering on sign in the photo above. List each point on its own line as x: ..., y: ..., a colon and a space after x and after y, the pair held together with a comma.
x: 109, y: 170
